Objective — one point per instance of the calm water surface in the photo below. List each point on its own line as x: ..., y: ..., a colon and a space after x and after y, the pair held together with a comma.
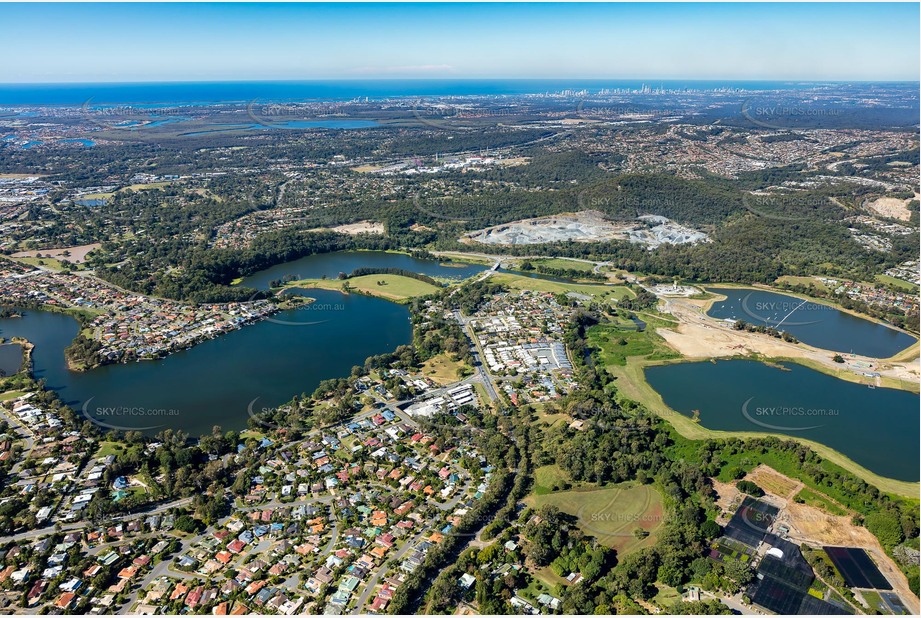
x: 329, y: 265
x: 812, y: 323
x: 261, y: 365
x: 877, y: 428
x: 215, y: 382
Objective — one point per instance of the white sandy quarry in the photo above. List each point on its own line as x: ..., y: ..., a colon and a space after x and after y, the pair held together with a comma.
x: 587, y: 226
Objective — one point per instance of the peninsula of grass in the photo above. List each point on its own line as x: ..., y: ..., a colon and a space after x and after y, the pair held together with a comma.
x: 396, y: 288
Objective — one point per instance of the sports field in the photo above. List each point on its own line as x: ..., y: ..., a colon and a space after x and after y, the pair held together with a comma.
x: 611, y: 514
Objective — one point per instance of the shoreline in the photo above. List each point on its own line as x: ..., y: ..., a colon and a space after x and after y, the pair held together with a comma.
x: 633, y: 377
x: 80, y: 366
x: 761, y: 287
x: 697, y: 336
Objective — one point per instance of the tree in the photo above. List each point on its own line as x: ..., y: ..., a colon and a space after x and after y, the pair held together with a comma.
x: 750, y: 488
x: 710, y: 529
x: 187, y: 524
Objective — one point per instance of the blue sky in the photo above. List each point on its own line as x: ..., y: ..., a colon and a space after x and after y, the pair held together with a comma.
x: 180, y: 42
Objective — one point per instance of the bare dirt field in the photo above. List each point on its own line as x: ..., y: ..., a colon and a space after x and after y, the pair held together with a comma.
x: 76, y: 255
x: 774, y: 482
x: 727, y: 494
x: 891, y: 207
x: 360, y: 227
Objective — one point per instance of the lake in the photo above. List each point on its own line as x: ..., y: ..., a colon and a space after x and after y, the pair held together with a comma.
x: 329, y: 265
x: 82, y: 142
x: 10, y: 358
x: 877, y: 428
x: 214, y: 383
x: 261, y: 365
x: 811, y: 322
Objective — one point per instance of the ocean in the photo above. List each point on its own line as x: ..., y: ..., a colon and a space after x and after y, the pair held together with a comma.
x: 190, y: 93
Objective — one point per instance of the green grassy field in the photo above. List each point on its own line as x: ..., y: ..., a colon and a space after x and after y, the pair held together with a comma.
x: 390, y: 287
x: 548, y: 479
x: 897, y: 283
x: 824, y: 503
x: 443, y: 370
x: 799, y: 280
x: 617, y: 344
x: 598, y: 290
x: 44, y: 262
x: 563, y: 263
x: 107, y: 448
x: 667, y: 596
x: 610, y: 514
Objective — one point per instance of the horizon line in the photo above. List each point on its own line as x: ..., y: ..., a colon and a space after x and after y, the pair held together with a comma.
x: 460, y: 79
